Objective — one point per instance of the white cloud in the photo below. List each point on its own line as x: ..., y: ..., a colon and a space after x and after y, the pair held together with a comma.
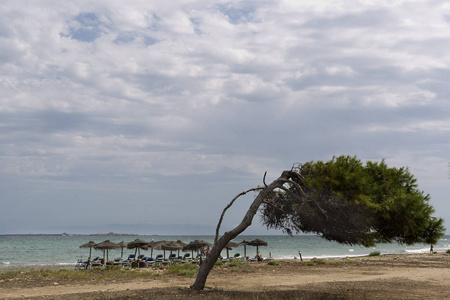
x: 124, y: 95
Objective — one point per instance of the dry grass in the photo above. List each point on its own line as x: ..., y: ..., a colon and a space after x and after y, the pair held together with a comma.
x: 184, y: 293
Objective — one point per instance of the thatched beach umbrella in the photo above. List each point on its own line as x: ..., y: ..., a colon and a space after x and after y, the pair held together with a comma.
x: 171, y: 246
x: 179, y: 242
x: 230, y: 246
x: 137, y: 244
x: 89, y: 245
x: 257, y: 243
x: 244, y: 243
x: 105, y: 247
x: 157, y: 246
x: 122, y: 245
x: 196, y: 245
x: 190, y: 247
x: 154, y: 245
x: 166, y: 245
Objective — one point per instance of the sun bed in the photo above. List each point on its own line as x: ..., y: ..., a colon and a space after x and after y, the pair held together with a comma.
x: 149, y: 260
x: 97, y: 262
x: 186, y: 258
x: 81, y: 265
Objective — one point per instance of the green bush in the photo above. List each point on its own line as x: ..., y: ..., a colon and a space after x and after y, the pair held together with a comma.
x: 218, y: 262
x: 448, y: 251
x: 113, y: 268
x: 273, y: 263
x: 374, y: 253
x: 236, y: 263
x: 188, y: 270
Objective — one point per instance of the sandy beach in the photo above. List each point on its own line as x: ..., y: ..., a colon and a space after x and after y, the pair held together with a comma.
x: 412, y: 276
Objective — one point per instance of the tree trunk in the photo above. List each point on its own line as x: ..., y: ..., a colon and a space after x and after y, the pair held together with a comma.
x: 211, y: 259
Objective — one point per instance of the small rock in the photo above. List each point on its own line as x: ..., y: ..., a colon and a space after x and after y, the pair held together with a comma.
x: 55, y: 283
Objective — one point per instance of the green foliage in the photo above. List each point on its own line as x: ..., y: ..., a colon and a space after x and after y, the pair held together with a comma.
x: 188, y: 270
x: 218, y: 262
x: 78, y: 275
x: 236, y: 263
x: 320, y: 261
x: 354, y: 203
x: 448, y: 251
x: 113, y: 268
x: 273, y: 263
x: 374, y: 253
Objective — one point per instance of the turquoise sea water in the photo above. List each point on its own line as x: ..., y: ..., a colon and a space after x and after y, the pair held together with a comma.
x: 23, y: 250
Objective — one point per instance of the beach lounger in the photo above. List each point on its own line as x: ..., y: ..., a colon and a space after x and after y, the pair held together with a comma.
x: 159, y: 259
x: 97, y: 262
x: 186, y: 258
x: 120, y: 262
x: 131, y: 257
x: 81, y: 265
x: 237, y: 256
x: 150, y: 261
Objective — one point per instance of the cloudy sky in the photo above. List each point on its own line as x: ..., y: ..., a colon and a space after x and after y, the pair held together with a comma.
x: 150, y: 116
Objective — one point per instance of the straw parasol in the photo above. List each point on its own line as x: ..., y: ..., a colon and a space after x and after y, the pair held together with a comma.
x: 152, y: 245
x: 89, y: 245
x: 137, y: 244
x: 244, y: 243
x: 171, y: 246
x: 179, y: 242
x: 230, y: 246
x: 196, y: 245
x: 122, y: 245
x: 105, y: 247
x: 257, y: 243
x: 166, y: 245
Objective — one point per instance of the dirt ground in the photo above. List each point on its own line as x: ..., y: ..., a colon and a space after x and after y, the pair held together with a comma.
x: 418, y: 276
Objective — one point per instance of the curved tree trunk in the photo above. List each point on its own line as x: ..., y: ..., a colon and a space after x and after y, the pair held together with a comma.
x: 219, y: 244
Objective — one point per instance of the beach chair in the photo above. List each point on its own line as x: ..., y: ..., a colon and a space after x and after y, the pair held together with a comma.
x: 97, y: 262
x: 173, y: 259
x: 186, y: 258
x: 81, y: 265
x: 253, y: 259
x: 131, y: 257
x: 150, y: 261
x: 120, y: 262
x: 159, y: 259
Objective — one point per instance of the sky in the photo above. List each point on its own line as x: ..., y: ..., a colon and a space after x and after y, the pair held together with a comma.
x: 150, y: 116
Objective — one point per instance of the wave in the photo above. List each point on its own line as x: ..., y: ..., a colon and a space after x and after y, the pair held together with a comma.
x: 421, y: 250
x: 317, y: 256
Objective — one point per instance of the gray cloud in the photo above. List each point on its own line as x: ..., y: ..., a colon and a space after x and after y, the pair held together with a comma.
x: 146, y: 112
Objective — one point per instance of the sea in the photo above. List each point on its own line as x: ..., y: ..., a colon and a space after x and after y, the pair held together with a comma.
x: 62, y: 250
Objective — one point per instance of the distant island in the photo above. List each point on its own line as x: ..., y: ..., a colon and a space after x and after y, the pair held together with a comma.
x: 102, y: 234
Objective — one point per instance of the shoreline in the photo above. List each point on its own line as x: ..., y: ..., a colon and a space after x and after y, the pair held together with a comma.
x: 390, y: 276
x: 61, y: 265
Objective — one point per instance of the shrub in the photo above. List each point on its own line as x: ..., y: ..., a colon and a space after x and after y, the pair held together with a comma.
x: 273, y: 263
x: 218, y: 262
x: 374, y: 253
x: 113, y: 268
x: 448, y: 251
x: 188, y: 270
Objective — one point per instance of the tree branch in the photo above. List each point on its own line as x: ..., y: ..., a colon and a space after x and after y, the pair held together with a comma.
x: 229, y: 205
x: 264, y: 179
x: 268, y: 203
